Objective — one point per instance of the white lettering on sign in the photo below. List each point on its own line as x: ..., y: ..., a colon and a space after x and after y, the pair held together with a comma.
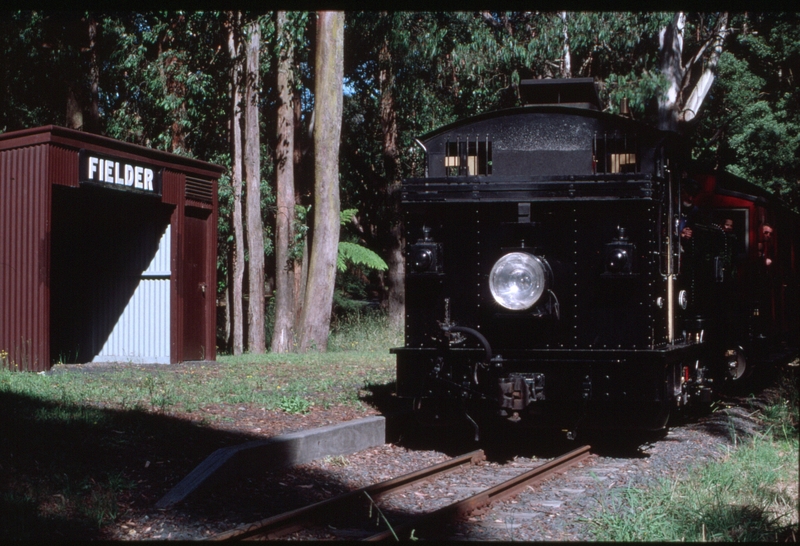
x: 118, y: 173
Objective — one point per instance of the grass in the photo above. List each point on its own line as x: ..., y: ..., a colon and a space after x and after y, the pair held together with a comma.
x: 751, y: 495
x: 80, y: 450
x: 358, y: 357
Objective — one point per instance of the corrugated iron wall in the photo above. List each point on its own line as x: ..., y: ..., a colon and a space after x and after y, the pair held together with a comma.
x: 24, y: 258
x: 141, y: 334
x: 49, y: 304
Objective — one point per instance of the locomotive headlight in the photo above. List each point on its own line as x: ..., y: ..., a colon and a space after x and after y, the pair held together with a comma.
x: 421, y: 258
x: 616, y: 260
x: 518, y: 280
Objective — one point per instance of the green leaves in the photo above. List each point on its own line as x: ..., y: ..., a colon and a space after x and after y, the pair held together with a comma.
x: 355, y: 254
x: 752, y: 123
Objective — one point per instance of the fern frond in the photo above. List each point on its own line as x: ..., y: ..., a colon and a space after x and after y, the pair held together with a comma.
x: 352, y: 253
x: 347, y: 215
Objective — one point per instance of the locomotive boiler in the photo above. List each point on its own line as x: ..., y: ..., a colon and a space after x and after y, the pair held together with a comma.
x: 566, y: 269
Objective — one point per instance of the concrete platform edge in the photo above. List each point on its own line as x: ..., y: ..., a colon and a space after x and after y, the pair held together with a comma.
x: 281, y: 451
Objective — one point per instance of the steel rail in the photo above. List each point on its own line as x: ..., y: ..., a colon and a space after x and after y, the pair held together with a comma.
x: 504, y: 490
x: 288, y: 522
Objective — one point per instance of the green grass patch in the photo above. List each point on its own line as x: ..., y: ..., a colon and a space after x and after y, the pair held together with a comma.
x: 83, y: 447
x: 751, y: 495
x: 336, y: 377
x: 367, y: 331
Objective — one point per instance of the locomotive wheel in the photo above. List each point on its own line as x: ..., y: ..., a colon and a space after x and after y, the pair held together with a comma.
x: 736, y: 364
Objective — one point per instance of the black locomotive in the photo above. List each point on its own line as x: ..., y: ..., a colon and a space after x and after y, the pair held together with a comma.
x: 566, y: 269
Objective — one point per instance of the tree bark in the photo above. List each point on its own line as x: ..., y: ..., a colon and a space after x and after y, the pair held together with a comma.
x: 283, y: 333
x: 703, y: 85
x: 301, y: 265
x: 93, y: 125
x: 327, y: 133
x: 686, y: 92
x: 237, y: 317
x: 74, y: 119
x: 252, y: 174
x: 395, y: 278
x: 169, y: 66
x: 671, y: 45
x: 566, y: 64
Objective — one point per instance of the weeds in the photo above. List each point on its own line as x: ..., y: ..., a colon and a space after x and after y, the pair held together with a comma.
x: 749, y: 496
x: 339, y: 461
x: 294, y: 404
x: 364, y: 331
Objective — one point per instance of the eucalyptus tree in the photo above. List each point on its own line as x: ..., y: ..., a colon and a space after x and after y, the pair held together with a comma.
x: 236, y: 280
x: 283, y: 333
x: 752, y: 123
x: 391, y: 69
x: 689, y: 72
x: 315, y: 319
x: 619, y: 50
x: 165, y: 83
x: 252, y: 178
x: 50, y: 72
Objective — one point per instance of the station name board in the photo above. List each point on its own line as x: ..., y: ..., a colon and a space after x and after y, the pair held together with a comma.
x: 122, y: 174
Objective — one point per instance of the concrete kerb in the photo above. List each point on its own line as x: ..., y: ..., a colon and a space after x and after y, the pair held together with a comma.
x: 281, y: 451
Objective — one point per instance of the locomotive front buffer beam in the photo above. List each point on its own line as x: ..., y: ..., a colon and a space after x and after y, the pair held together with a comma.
x: 614, y: 389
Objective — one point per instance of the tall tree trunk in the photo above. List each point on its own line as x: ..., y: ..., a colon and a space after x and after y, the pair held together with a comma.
x: 234, y: 47
x: 283, y: 337
x: 703, y: 85
x: 74, y: 118
x: 327, y: 132
x: 391, y: 163
x: 688, y: 86
x: 671, y: 45
x: 301, y: 265
x: 93, y: 125
x: 566, y: 63
x: 252, y: 174
x: 169, y: 66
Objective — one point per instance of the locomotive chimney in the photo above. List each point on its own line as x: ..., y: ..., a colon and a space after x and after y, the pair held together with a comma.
x: 624, y: 111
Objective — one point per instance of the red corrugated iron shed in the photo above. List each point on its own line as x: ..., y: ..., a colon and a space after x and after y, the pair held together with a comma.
x: 107, y: 251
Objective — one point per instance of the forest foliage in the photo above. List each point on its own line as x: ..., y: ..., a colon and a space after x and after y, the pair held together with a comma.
x: 163, y: 79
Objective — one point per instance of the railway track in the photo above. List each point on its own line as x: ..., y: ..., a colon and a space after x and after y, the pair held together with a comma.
x: 362, y: 504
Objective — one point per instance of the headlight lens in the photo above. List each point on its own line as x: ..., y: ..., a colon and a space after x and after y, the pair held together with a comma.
x: 518, y: 280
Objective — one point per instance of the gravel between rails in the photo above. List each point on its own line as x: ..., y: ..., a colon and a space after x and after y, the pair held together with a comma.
x: 556, y: 510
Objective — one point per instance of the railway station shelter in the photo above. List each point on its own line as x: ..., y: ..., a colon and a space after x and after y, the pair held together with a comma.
x: 107, y: 251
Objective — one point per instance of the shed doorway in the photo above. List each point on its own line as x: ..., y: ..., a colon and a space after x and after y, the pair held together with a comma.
x: 110, y: 277
x: 196, y: 287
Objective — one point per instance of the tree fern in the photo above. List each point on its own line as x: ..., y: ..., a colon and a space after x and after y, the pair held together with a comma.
x: 355, y: 254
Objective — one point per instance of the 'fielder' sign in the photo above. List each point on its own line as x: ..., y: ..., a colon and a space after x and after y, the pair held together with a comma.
x: 121, y: 174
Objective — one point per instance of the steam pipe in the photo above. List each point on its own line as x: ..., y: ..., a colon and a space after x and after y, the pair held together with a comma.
x: 476, y: 334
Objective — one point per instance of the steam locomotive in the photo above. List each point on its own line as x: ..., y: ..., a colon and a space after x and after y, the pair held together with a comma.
x: 566, y: 269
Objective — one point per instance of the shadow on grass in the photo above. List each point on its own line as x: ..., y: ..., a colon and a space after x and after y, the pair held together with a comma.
x: 67, y: 471
x: 745, y: 524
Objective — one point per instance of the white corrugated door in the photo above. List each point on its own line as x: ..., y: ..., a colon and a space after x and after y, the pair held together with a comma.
x: 141, y: 334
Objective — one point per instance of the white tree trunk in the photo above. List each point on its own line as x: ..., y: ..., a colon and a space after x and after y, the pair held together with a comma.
x: 566, y: 65
x: 237, y: 317
x: 252, y: 172
x: 703, y: 86
x: 327, y: 132
x: 283, y: 333
x: 671, y: 44
x: 686, y: 92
